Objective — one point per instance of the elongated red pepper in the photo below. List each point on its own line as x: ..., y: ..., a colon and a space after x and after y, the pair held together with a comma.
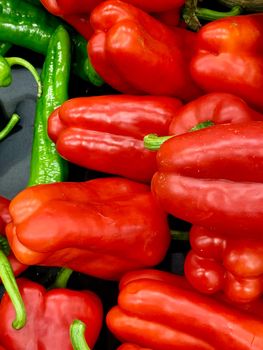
x: 128, y: 346
x: 49, y: 315
x: 216, y: 263
x: 135, y: 53
x: 17, y: 267
x: 103, y: 227
x: 215, y: 107
x: 213, y: 178
x: 105, y: 133
x: 168, y: 314
x: 229, y: 57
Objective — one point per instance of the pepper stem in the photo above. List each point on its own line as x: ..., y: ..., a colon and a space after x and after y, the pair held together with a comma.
x: 4, y: 245
x: 9, y: 282
x: 247, y: 5
x: 24, y: 63
x: 202, y: 125
x: 9, y: 127
x: 77, y: 335
x: 153, y: 142
x: 179, y: 235
x: 62, y: 278
x: 192, y: 13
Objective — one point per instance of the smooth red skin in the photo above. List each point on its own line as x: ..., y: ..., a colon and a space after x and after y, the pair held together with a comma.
x: 229, y: 57
x: 128, y: 346
x: 49, y: 315
x: 17, y: 267
x: 149, y: 311
x: 103, y: 227
x: 218, y: 107
x: 69, y: 7
x: 217, y: 263
x: 105, y: 133
x: 133, y: 51
x: 213, y: 178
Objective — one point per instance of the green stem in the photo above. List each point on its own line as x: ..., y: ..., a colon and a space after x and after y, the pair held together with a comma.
x: 4, y: 245
x: 202, y: 125
x: 24, y: 63
x: 9, y: 127
x: 179, y: 235
x: 9, y: 282
x: 153, y: 142
x: 77, y: 335
x: 211, y: 15
x: 62, y: 278
x: 247, y: 5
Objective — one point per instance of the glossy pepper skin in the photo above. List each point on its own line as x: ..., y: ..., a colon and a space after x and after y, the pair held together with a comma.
x: 103, y: 227
x: 213, y: 178
x: 166, y: 313
x: 46, y: 164
x: 128, y: 346
x: 50, y: 314
x: 217, y: 263
x: 17, y: 267
x: 105, y: 133
x: 137, y: 54
x: 217, y: 107
x: 229, y: 57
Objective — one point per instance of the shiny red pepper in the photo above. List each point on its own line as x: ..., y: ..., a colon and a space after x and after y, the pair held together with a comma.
x: 166, y: 313
x: 17, y: 267
x: 215, y: 107
x: 102, y: 227
x: 105, y: 133
x: 49, y: 315
x: 77, y: 12
x: 229, y: 57
x: 137, y: 54
x: 128, y: 346
x: 213, y: 178
x: 217, y: 263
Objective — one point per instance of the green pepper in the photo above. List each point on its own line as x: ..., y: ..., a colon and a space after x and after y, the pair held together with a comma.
x: 30, y: 26
x: 46, y: 164
x: 6, y: 79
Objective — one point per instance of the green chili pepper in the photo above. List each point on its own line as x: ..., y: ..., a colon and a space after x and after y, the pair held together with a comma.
x: 46, y: 164
x: 4, y: 47
x: 30, y: 26
x: 6, y: 79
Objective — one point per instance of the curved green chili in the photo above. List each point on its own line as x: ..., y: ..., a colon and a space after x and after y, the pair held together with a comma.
x: 46, y: 164
x: 9, y: 126
x: 30, y: 26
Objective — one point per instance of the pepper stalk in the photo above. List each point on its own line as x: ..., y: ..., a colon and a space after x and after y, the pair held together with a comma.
x: 77, y: 335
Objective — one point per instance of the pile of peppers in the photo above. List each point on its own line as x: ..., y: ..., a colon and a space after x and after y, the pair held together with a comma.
x: 158, y: 244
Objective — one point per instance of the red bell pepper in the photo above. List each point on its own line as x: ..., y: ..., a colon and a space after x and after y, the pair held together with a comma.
x: 229, y: 57
x: 213, y: 178
x: 17, y: 266
x: 49, y: 315
x: 168, y: 314
x: 105, y: 133
x: 135, y: 53
x: 77, y: 12
x: 215, y: 107
x: 103, y: 227
x: 217, y: 263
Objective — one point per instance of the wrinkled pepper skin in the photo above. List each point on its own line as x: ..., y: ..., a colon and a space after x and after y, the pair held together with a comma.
x: 105, y: 133
x: 49, y: 315
x: 218, y: 264
x: 168, y: 314
x: 17, y: 267
x: 229, y: 57
x: 137, y: 54
x: 103, y: 227
x: 77, y: 12
x: 219, y: 108
x: 213, y: 178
